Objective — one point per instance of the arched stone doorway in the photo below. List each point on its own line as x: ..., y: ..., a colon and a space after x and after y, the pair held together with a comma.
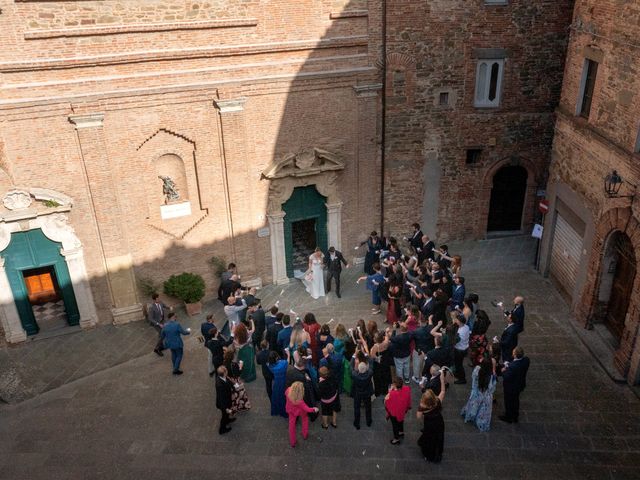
x: 618, y: 272
x: 309, y: 167
x: 507, y: 199
x: 44, y: 219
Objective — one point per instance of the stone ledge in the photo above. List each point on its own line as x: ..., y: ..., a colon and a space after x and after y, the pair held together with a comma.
x: 139, y: 28
x: 348, y: 14
x: 182, y: 54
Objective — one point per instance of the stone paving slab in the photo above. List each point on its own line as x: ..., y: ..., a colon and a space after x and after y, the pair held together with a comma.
x: 136, y: 420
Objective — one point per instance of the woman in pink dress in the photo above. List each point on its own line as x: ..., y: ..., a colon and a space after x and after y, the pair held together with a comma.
x: 296, y: 407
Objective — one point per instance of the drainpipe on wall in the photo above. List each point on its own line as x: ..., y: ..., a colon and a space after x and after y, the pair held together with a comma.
x: 384, y: 113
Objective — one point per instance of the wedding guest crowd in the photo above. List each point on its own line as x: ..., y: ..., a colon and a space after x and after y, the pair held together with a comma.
x: 431, y: 331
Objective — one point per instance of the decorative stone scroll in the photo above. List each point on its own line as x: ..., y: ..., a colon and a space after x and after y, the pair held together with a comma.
x: 17, y: 200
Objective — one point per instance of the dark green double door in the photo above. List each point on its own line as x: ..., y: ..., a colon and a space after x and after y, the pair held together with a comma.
x: 305, y: 203
x: 29, y: 251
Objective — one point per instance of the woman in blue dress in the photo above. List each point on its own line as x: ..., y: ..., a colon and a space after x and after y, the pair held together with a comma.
x: 374, y: 282
x: 480, y: 403
x: 278, y: 368
x: 374, y: 245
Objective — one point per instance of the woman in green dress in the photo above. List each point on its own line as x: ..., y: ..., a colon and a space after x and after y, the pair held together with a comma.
x: 245, y: 353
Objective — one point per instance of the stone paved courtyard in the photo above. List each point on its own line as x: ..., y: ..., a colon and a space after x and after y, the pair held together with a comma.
x: 104, y: 407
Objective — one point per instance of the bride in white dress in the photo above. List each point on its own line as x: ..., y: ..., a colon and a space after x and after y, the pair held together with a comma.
x: 314, y: 277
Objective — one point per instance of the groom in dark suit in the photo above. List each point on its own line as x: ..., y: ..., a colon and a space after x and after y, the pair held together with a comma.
x: 334, y: 261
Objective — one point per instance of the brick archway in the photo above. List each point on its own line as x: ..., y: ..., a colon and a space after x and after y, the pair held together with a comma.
x: 487, y: 185
x: 627, y: 357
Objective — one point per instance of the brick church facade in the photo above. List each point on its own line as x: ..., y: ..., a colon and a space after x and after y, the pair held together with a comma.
x: 140, y: 139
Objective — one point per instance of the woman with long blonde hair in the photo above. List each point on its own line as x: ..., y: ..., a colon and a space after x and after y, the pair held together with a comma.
x: 431, y: 441
x: 296, y: 407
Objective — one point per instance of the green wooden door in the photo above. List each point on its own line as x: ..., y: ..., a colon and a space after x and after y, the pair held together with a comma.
x: 28, y: 250
x: 305, y: 203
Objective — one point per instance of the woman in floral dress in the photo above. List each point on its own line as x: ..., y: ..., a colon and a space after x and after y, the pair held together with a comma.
x: 480, y: 403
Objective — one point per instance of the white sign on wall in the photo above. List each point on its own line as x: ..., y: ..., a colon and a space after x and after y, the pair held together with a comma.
x: 175, y: 210
x: 263, y: 232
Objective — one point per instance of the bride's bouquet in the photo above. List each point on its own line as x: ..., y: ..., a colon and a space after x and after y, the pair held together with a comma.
x: 308, y: 276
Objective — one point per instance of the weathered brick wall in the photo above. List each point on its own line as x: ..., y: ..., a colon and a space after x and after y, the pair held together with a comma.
x: 585, y: 151
x: 436, y: 42
x: 155, y: 69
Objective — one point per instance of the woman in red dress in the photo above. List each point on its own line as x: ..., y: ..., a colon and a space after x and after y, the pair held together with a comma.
x: 312, y: 327
x: 393, y: 304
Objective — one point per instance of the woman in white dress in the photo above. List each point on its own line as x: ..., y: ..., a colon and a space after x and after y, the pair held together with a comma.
x: 314, y: 277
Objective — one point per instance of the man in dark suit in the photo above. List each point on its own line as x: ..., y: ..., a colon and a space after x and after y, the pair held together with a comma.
x: 509, y: 339
x: 257, y: 314
x: 228, y: 288
x: 432, y: 382
x: 273, y: 331
x: 427, y: 250
x: 514, y: 378
x: 216, y: 345
x: 172, y: 335
x: 157, y: 313
x: 224, y: 387
x: 334, y: 260
x: 458, y: 292
x: 416, y: 239
x: 439, y: 355
x: 518, y: 313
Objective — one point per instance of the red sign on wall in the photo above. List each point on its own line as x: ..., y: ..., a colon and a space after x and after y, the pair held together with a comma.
x: 543, y: 206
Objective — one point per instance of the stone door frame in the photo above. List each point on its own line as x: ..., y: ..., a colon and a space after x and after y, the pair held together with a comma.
x: 54, y: 225
x: 310, y: 166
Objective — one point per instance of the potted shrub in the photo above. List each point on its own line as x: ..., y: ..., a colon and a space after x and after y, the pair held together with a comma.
x: 189, y: 288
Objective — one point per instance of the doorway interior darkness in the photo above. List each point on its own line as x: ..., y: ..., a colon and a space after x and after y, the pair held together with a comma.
x: 507, y: 199
x: 304, y: 242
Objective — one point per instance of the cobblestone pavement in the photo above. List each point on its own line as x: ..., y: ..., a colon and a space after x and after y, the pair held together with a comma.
x: 135, y: 419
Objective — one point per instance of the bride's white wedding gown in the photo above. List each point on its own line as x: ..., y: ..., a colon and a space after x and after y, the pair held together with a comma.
x: 315, y: 285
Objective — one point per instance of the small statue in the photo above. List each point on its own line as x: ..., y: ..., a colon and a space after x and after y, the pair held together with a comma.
x: 169, y: 189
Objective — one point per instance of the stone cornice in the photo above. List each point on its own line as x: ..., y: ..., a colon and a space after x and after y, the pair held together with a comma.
x: 182, y: 54
x: 139, y: 28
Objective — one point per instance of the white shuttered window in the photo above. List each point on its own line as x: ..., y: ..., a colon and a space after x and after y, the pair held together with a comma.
x: 489, y: 82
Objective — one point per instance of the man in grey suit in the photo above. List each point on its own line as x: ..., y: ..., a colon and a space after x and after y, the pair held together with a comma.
x: 157, y: 314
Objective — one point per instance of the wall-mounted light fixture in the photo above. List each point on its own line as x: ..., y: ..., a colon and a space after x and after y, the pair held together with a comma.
x: 612, y: 184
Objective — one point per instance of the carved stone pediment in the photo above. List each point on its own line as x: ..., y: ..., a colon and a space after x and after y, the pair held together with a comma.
x: 310, y: 161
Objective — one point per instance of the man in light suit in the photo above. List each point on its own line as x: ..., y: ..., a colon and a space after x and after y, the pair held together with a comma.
x: 514, y: 382
x: 157, y: 313
x: 172, y: 335
x: 334, y: 260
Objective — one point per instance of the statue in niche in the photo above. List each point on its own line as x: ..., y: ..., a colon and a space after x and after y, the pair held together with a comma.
x: 169, y: 189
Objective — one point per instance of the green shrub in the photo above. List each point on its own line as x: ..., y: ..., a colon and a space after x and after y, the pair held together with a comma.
x: 188, y: 287
x: 218, y: 264
x: 147, y: 286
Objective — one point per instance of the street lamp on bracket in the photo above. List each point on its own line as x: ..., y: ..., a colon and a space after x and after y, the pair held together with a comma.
x: 612, y: 184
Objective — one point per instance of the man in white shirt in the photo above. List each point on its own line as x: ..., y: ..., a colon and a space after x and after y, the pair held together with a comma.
x: 461, y: 348
x: 231, y: 310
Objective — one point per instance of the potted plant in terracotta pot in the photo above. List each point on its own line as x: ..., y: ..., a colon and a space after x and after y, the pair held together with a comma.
x: 189, y: 288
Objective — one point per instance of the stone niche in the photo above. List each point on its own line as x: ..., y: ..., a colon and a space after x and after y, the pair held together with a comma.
x: 171, y: 183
